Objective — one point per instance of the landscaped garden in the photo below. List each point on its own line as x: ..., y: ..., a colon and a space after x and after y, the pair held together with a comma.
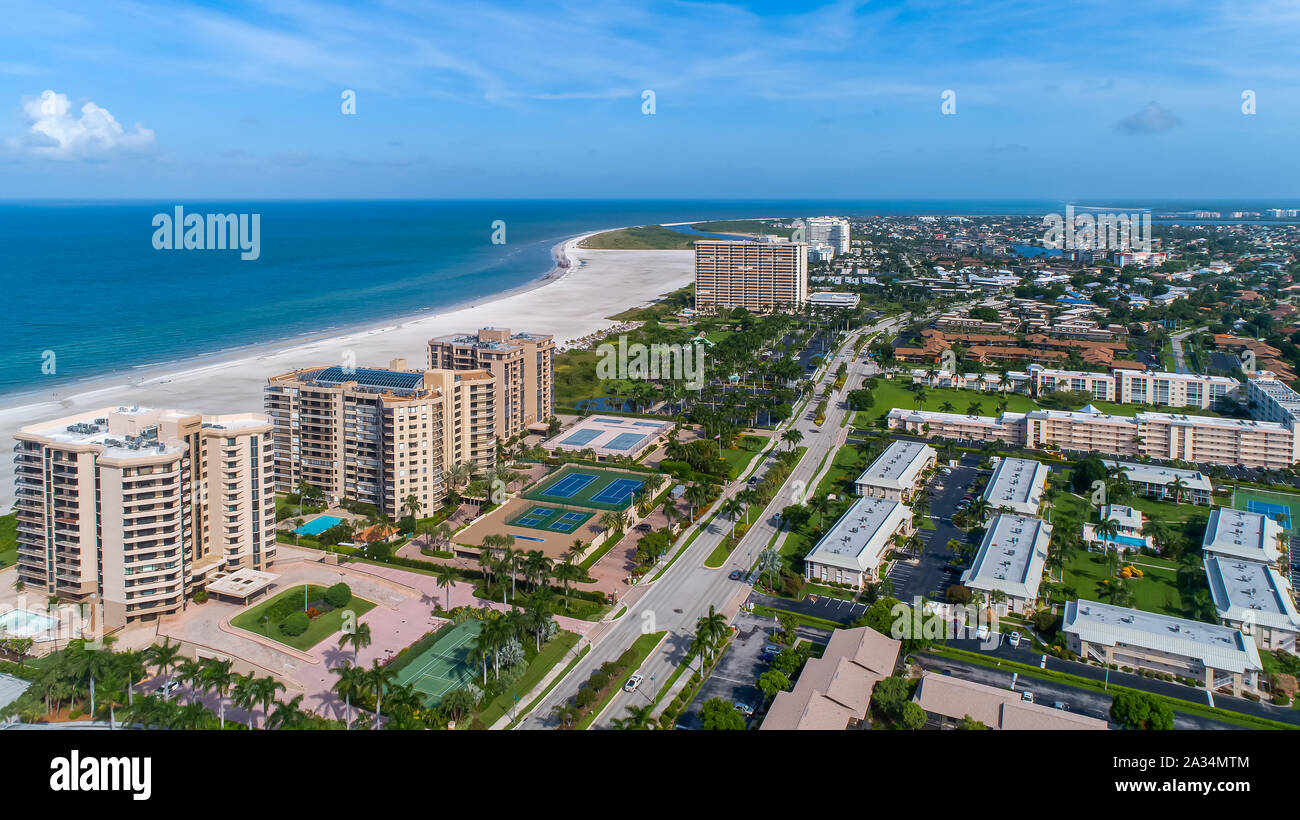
x: 302, y: 616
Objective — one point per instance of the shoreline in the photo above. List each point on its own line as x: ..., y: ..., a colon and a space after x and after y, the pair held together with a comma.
x: 569, y: 301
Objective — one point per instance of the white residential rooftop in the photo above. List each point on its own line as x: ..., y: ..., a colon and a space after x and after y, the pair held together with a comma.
x: 1240, y: 534
x: 897, y: 467
x: 1218, y: 647
x: 1017, y: 483
x: 1011, y: 556
x: 1251, y: 592
x: 1125, y: 517
x: 859, y: 538
x: 1163, y: 476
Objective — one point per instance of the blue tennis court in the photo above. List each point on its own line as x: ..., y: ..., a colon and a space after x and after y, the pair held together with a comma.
x: 534, y: 517
x: 570, y: 485
x: 1277, y: 512
x: 618, y: 491
x: 625, y: 441
x: 582, y: 437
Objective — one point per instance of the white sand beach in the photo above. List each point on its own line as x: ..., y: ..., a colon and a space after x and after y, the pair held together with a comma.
x: 570, y: 303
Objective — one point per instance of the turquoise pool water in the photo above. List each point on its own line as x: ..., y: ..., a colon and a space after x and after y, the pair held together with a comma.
x: 1126, y: 540
x: 318, y: 525
x: 25, y: 624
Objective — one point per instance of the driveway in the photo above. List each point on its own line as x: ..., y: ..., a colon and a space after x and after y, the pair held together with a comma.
x: 930, y: 575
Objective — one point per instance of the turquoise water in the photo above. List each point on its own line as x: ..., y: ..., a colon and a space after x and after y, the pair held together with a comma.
x: 318, y: 525
x: 1126, y: 540
x: 25, y: 624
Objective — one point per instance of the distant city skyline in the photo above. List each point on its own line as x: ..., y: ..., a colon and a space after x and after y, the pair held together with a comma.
x: 1102, y: 101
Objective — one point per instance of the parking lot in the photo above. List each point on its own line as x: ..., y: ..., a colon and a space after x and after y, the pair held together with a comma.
x: 816, y: 606
x: 930, y: 575
x: 736, y: 675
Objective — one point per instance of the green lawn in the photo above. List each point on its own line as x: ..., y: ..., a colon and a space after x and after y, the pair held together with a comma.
x: 891, y: 393
x: 738, y: 458
x: 321, y: 628
x: 1157, y: 591
x: 8, y: 540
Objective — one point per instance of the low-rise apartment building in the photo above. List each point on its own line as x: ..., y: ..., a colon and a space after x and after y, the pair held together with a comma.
x: 948, y: 701
x: 1128, y: 536
x: 1255, y: 599
x: 1120, y: 386
x: 1010, y: 560
x: 139, y: 508
x: 1017, y: 486
x: 852, y: 550
x: 1166, y: 483
x: 1243, y: 535
x: 1219, y: 656
x: 380, y: 436
x: 833, y: 692
x: 898, y: 472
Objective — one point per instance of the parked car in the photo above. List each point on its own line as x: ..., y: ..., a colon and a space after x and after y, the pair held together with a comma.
x: 982, y: 632
x: 1027, y: 697
x: 1042, y: 663
x: 1060, y: 704
x: 166, y: 689
x: 1014, y: 639
x: 771, y: 651
x: 632, y: 683
x: 745, y: 709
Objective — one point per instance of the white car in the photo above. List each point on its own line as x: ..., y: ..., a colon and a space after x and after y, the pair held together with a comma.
x: 1042, y: 664
x: 632, y: 683
x: 982, y: 632
x: 166, y: 689
x: 1014, y: 639
x: 1027, y: 697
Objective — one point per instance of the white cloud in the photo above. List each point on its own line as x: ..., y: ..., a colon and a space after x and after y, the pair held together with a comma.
x: 55, y: 133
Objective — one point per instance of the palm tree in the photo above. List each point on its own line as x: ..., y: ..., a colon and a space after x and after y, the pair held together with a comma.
x: 769, y: 563
x: 947, y: 407
x: 447, y: 580
x: 244, y: 696
x: 638, y: 718
x: 732, y: 509
x: 412, y: 505
x: 792, y: 437
x: 567, y: 572
x: 359, y: 638
x: 819, y: 504
x: 190, y: 673
x: 566, y: 714
x: 163, y: 656
x: 713, y: 627
x: 379, y: 678
x: 697, y: 495
x: 218, y: 677
x: 1178, y: 486
x: 351, y: 680
x: 90, y: 664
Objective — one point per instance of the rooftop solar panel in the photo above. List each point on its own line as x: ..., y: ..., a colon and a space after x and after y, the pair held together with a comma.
x: 371, y: 378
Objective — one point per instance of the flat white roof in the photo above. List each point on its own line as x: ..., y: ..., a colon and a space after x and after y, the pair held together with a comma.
x: 860, y: 537
x: 897, y: 467
x: 1218, y: 647
x: 1246, y: 591
x: 1011, y: 556
x: 1240, y: 534
x: 1017, y: 483
x: 1162, y: 476
x: 1122, y: 515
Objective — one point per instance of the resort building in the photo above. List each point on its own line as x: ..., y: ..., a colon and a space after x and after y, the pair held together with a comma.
x: 1128, y: 530
x: 138, y: 508
x: 523, y: 365
x: 834, y: 691
x: 1165, y: 436
x: 1247, y: 536
x: 380, y: 436
x: 1010, y: 560
x: 1166, y: 483
x: 1017, y: 486
x: 851, y: 551
x: 898, y: 472
x: 1255, y: 599
x: 833, y: 300
x: 761, y: 277
x: 948, y: 701
x: 1120, y: 386
x: 1219, y: 656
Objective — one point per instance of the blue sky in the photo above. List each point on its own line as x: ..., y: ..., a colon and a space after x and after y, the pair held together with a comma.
x: 753, y: 100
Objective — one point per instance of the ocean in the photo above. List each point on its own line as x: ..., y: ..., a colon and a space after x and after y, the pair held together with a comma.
x: 88, y: 295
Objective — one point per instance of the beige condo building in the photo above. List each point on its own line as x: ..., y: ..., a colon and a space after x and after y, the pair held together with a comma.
x: 380, y: 436
x: 758, y: 276
x: 138, y: 508
x: 523, y: 365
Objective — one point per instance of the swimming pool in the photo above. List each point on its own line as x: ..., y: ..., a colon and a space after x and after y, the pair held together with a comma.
x: 318, y: 525
x: 1127, y: 540
x: 24, y: 624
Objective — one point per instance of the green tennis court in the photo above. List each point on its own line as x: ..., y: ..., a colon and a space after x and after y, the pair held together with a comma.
x: 1281, y: 507
x: 589, y: 487
x: 551, y: 519
x: 444, y: 667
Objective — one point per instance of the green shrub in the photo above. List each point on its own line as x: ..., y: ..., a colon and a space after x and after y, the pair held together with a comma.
x: 200, y: 596
x: 338, y: 595
x: 585, y: 697
x: 1280, y: 699
x: 295, y: 624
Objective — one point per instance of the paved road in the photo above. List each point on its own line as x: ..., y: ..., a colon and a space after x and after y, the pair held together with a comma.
x: 688, y: 589
x: 1180, y: 360
x: 1080, y: 701
x: 1174, y: 690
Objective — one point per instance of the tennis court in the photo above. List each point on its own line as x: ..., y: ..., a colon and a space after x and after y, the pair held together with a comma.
x: 588, y: 487
x: 1281, y: 507
x: 552, y: 519
x: 444, y: 667
x: 625, y: 441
